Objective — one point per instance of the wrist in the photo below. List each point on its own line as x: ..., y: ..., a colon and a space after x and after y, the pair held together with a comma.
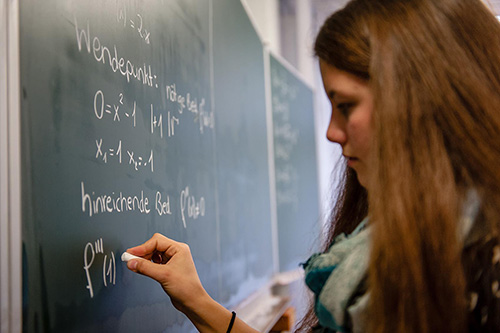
x: 208, y: 315
x: 200, y: 301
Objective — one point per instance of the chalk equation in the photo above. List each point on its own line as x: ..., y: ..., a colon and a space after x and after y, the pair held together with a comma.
x: 157, y: 122
x: 161, y: 120
x: 113, y: 111
x: 136, y: 23
x: 138, y: 161
x: 108, y: 153
x: 191, y: 207
x: 91, y: 252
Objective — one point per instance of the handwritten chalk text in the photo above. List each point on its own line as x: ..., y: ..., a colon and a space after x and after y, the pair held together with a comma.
x: 97, y: 204
x: 190, y: 207
x: 108, y: 267
x: 103, y: 54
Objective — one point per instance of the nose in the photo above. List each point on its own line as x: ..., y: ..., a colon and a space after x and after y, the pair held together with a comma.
x: 336, y: 132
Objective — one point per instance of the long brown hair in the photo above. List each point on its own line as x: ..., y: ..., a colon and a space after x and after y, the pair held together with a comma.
x: 434, y: 70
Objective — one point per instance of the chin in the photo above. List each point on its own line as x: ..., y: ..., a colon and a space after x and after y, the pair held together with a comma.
x: 361, y: 178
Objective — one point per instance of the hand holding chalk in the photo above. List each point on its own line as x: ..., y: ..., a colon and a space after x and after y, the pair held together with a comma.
x: 157, y: 258
x: 171, y: 264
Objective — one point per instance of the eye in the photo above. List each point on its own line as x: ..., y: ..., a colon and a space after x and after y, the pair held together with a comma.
x: 344, y: 108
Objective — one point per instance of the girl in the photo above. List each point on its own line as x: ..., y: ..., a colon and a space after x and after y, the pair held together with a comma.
x: 414, y: 242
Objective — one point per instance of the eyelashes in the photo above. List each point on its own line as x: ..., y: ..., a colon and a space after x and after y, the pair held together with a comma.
x: 344, y: 108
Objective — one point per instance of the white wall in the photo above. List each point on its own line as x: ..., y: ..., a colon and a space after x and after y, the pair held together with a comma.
x: 265, y: 15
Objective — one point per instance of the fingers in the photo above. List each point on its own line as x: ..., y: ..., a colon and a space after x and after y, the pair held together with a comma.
x: 158, y: 250
x: 159, y: 258
x: 156, y: 244
x: 178, y: 276
x: 148, y: 268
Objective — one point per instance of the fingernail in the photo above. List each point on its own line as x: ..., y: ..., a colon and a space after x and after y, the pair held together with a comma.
x: 132, y: 264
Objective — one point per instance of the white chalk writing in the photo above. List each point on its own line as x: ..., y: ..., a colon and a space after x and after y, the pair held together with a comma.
x: 102, y: 109
x: 118, y: 106
x: 93, y: 204
x: 136, y: 23
x: 156, y: 122
x: 205, y: 119
x: 286, y: 138
x: 138, y: 161
x: 109, y: 264
x: 106, y: 153
x: 104, y: 55
x: 190, y: 206
x: 109, y: 152
x: 162, y: 207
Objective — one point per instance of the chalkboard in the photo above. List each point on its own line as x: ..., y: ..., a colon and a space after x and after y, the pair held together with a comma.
x: 296, y: 176
x: 139, y: 118
x: 242, y: 153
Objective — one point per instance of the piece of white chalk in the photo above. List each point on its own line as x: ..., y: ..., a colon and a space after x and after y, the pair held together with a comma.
x: 127, y: 256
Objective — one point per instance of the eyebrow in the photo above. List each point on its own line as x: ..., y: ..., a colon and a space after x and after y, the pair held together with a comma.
x: 333, y: 93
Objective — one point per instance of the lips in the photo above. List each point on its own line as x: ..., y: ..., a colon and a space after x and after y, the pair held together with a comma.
x: 351, y: 161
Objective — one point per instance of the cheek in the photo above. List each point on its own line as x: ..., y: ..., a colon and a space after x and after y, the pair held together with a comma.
x: 365, y: 142
x: 360, y: 134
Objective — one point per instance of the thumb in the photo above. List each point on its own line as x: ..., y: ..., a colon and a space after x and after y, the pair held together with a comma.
x: 147, y: 268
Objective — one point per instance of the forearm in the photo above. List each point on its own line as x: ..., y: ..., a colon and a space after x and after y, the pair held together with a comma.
x: 179, y: 279
x: 209, y: 316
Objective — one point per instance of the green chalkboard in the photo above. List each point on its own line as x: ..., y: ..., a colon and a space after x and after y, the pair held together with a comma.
x: 296, y: 176
x: 242, y: 153
x: 139, y: 117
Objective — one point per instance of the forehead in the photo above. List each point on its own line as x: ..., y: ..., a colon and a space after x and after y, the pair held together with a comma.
x: 339, y: 82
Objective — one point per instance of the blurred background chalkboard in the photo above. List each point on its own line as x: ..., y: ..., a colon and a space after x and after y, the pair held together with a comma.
x: 296, y: 175
x: 140, y: 118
